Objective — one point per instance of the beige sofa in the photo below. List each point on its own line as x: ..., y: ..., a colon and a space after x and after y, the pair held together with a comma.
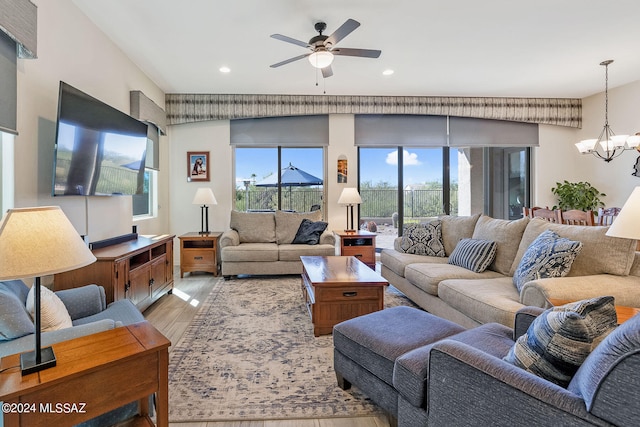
x: 261, y: 243
x: 604, y: 266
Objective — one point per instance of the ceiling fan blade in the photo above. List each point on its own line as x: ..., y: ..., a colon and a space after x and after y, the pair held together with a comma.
x: 366, y: 53
x: 286, y: 61
x: 290, y: 40
x: 327, y: 71
x: 342, y: 32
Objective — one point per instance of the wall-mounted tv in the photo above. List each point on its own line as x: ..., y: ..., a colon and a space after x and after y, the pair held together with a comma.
x: 99, y: 150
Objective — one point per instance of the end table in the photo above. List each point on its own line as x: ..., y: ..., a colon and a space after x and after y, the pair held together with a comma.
x: 199, y: 252
x: 360, y: 244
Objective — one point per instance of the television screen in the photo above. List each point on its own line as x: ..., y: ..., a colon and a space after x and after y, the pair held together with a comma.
x: 99, y: 150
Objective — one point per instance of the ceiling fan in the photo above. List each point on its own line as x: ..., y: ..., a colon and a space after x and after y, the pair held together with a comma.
x: 323, y: 47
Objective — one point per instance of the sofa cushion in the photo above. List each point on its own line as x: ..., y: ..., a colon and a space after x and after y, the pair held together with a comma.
x: 423, y: 239
x: 293, y: 252
x: 456, y: 228
x: 548, y: 256
x: 287, y: 224
x: 483, y: 300
x: 309, y: 232
x: 250, y: 252
x: 255, y: 227
x: 397, y: 261
x: 14, y: 319
x: 428, y: 276
x: 473, y: 254
x: 53, y: 312
x: 507, y: 235
x: 561, y: 338
x: 619, y: 345
x: 600, y: 254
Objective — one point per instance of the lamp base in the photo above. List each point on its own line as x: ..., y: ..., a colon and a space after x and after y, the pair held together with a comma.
x: 204, y: 232
x: 349, y: 231
x: 28, y: 361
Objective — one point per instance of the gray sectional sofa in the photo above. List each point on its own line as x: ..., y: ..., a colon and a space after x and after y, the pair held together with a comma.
x: 605, y: 265
x: 261, y: 243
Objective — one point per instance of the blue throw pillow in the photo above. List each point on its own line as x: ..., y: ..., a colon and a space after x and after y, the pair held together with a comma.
x: 14, y: 319
x: 309, y: 232
x: 561, y: 338
x: 474, y: 254
x: 549, y: 255
x: 423, y: 239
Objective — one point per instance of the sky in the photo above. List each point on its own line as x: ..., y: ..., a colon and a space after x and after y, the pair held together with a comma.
x: 377, y: 164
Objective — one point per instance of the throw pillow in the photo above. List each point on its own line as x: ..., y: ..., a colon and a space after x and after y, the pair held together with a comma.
x: 549, y: 255
x: 423, y: 239
x: 14, y: 319
x: 53, y: 313
x: 474, y: 254
x: 561, y: 338
x: 309, y: 232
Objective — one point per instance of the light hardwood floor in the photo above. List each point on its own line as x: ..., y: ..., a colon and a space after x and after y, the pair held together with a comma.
x: 172, y: 314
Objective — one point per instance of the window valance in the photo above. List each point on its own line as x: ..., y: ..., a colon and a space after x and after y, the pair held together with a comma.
x: 189, y: 108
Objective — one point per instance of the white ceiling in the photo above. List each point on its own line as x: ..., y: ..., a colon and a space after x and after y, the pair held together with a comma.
x: 543, y: 48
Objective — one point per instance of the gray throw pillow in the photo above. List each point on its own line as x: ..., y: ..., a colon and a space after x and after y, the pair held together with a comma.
x: 474, y: 254
x: 309, y: 232
x: 561, y: 338
x: 549, y: 255
x: 14, y: 319
x: 423, y: 239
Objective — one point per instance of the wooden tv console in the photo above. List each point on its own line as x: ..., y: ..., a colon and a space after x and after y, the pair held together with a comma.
x: 140, y: 270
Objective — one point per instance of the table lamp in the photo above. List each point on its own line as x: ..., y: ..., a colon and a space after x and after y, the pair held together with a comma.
x: 37, y: 242
x: 204, y: 197
x: 627, y: 223
x: 349, y: 198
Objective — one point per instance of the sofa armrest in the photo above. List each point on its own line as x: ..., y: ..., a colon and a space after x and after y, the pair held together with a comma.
x: 327, y: 238
x: 524, y: 317
x: 624, y: 289
x: 396, y: 244
x: 467, y: 384
x: 229, y: 238
x: 83, y: 301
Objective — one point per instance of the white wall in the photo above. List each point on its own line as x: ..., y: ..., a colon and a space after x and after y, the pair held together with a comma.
x: 72, y: 49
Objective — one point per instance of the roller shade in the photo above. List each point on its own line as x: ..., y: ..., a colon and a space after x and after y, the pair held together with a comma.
x: 470, y: 132
x: 300, y: 131
x: 400, y: 130
x: 152, y: 160
x: 8, y: 85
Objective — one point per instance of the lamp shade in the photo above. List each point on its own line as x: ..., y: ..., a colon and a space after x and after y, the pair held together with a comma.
x: 39, y: 241
x: 321, y: 58
x: 350, y: 196
x: 204, y: 196
x: 626, y: 224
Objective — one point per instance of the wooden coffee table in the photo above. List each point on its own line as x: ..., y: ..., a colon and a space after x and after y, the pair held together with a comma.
x: 338, y: 288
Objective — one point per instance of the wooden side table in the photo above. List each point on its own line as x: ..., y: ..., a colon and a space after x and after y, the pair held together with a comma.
x: 199, y: 252
x: 360, y: 244
x: 624, y: 313
x: 94, y: 374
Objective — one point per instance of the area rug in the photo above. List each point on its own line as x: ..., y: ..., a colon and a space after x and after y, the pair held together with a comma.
x: 250, y: 353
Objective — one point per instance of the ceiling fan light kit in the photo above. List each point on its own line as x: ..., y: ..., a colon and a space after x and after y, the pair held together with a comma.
x: 323, y: 47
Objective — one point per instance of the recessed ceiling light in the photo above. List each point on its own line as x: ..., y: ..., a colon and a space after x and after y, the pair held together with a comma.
x: 225, y: 69
x: 387, y: 72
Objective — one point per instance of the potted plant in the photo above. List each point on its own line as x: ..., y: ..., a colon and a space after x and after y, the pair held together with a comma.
x: 577, y: 195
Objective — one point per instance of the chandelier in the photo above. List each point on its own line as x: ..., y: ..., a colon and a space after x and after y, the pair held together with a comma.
x: 608, y: 145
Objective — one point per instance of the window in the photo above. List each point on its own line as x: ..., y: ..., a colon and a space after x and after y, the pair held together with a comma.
x: 299, y: 188
x: 6, y: 172
x: 144, y: 205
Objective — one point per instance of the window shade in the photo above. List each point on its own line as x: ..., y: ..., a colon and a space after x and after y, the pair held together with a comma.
x: 372, y: 130
x: 8, y: 84
x: 300, y: 131
x: 471, y: 132
x: 152, y: 160
x: 19, y: 20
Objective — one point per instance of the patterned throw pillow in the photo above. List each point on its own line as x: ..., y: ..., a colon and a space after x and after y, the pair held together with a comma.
x: 561, y: 338
x: 309, y: 232
x: 474, y: 254
x: 549, y: 255
x: 423, y: 239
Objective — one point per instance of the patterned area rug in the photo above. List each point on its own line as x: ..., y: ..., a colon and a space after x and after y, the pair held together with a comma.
x: 250, y: 353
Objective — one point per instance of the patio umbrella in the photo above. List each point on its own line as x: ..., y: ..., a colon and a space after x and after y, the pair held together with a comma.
x: 291, y: 176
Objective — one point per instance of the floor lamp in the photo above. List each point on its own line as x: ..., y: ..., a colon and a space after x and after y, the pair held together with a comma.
x: 350, y: 197
x: 204, y: 196
x: 36, y: 242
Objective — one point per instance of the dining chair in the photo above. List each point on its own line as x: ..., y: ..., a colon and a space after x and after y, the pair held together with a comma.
x: 576, y: 217
x: 546, y: 214
x: 607, y: 215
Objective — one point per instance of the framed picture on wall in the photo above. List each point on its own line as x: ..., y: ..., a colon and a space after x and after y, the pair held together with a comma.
x: 197, y: 166
x: 342, y: 169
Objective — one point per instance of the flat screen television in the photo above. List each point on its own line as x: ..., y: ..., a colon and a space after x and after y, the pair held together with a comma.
x: 99, y: 150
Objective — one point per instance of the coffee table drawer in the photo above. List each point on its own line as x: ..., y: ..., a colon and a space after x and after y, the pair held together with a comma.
x: 348, y: 294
